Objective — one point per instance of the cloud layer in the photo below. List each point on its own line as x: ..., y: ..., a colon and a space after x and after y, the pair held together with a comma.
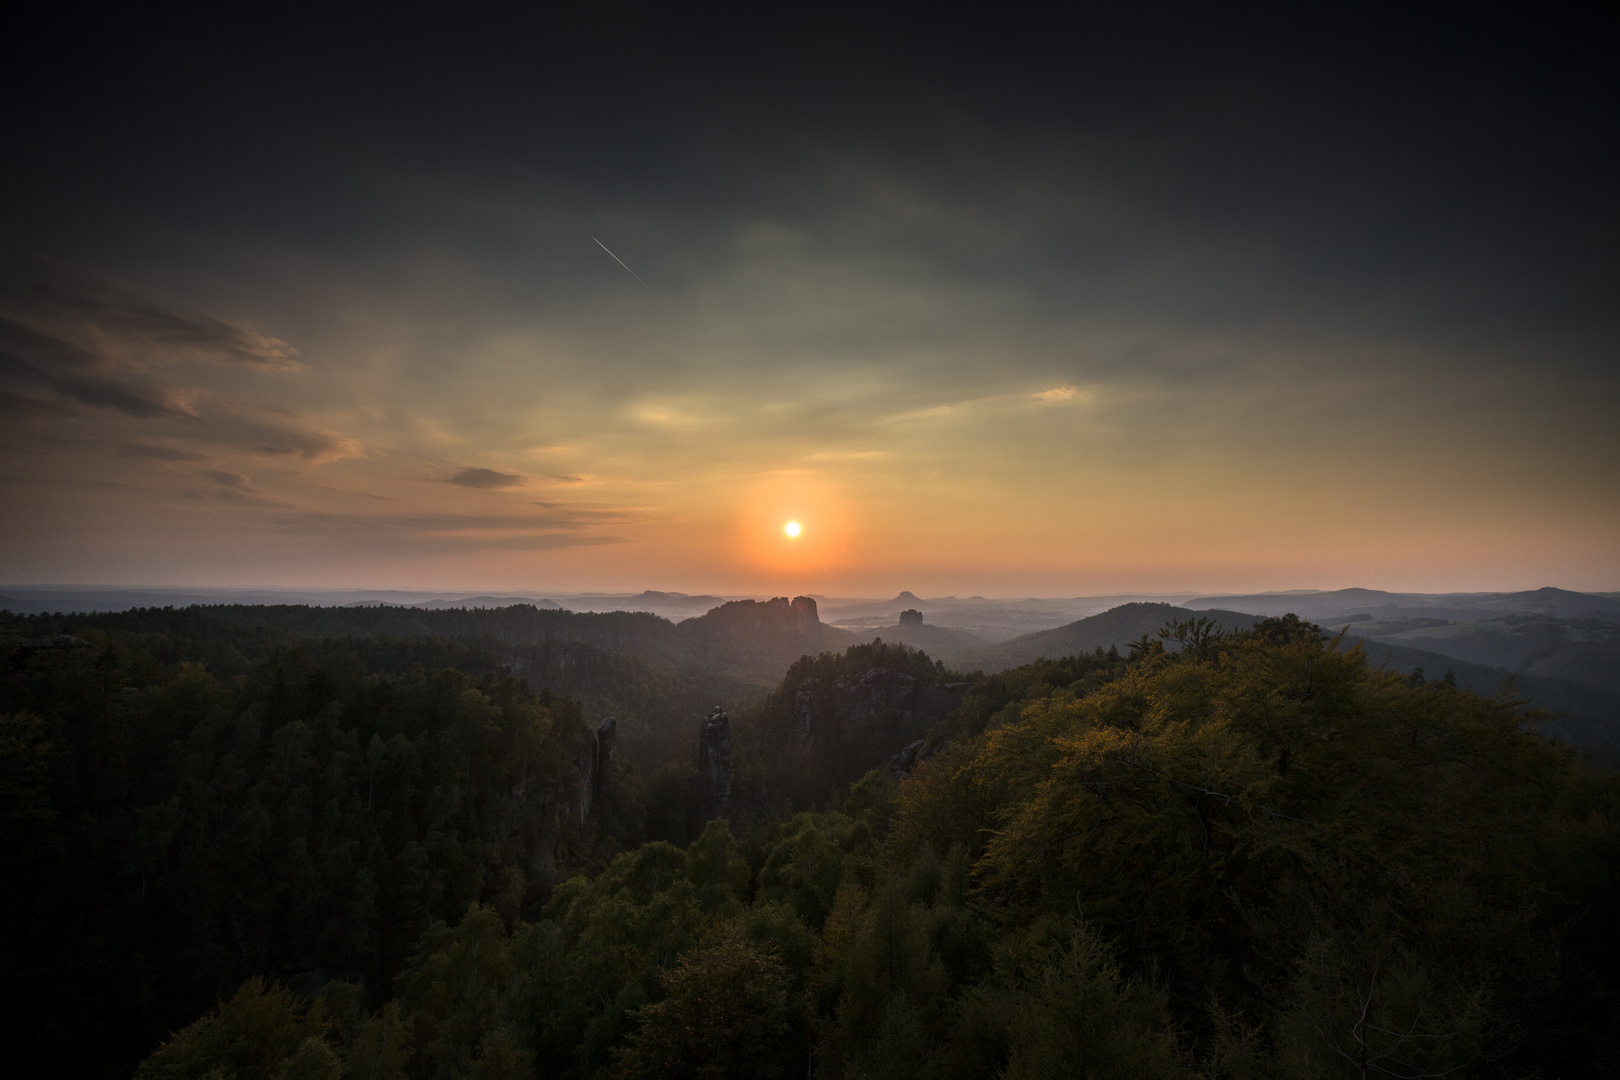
x: 1165, y: 322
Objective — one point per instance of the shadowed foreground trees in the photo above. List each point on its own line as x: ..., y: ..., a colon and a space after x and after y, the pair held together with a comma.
x: 725, y: 1013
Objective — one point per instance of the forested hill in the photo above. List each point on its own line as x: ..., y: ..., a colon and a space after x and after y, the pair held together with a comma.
x: 1254, y: 855
x: 748, y: 639
x: 1583, y: 715
x: 1114, y: 628
x: 1588, y: 715
x: 638, y: 634
x: 190, y: 797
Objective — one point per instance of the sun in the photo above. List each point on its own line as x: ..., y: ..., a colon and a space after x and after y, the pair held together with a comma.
x: 792, y: 529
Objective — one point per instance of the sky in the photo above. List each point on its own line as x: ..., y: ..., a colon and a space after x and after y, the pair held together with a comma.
x: 988, y: 307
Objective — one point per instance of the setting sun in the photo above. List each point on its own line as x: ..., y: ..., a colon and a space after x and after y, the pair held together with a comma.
x: 792, y: 529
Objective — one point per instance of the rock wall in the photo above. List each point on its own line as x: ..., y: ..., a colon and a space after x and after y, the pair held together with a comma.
x: 824, y: 714
x: 594, y: 761
x: 712, y: 782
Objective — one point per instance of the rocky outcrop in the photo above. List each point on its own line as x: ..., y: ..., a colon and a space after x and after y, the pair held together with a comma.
x: 595, y: 759
x: 759, y: 638
x: 607, y: 733
x: 835, y: 717
x: 914, y: 754
x: 804, y: 612
x: 825, y: 713
x: 910, y: 617
x: 712, y: 782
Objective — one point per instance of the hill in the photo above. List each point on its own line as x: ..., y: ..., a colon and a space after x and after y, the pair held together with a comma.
x: 1586, y: 716
x: 1568, y: 667
x: 757, y: 639
x: 1330, y: 606
x: 1575, y: 649
x: 482, y: 602
x: 753, y: 640
x: 1115, y: 628
x: 933, y: 640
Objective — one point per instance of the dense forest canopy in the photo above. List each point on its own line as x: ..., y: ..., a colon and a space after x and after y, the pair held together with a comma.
x: 238, y: 849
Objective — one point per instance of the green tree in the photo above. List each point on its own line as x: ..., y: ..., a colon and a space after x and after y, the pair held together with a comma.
x: 262, y: 1032
x: 1063, y: 1008
x: 725, y: 1013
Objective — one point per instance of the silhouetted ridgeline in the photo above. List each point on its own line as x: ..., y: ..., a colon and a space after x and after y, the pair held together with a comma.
x: 747, y: 638
x: 1115, y: 628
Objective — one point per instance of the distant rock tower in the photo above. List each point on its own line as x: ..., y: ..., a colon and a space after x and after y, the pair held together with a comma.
x: 713, y: 779
x: 910, y: 617
x: 805, y: 609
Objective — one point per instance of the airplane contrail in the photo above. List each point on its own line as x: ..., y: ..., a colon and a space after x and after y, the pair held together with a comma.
x: 620, y: 261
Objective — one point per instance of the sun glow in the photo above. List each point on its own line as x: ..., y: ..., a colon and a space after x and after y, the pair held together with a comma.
x: 792, y: 529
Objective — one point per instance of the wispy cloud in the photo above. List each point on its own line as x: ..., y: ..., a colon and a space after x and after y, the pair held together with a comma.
x: 87, y: 316
x: 488, y: 479
x: 159, y: 452
x: 71, y: 337
x: 229, y: 479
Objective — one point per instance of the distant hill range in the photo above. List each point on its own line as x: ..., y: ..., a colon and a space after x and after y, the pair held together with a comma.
x: 990, y: 619
x: 1566, y: 664
x: 1545, y: 633
x: 940, y: 642
x: 749, y: 639
x: 1342, y: 604
x: 1589, y: 715
x: 36, y: 599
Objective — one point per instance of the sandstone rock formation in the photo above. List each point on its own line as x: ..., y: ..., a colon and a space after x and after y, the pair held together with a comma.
x: 910, y: 617
x: 914, y: 754
x: 595, y: 756
x: 836, y: 716
x: 805, y: 608
x: 607, y: 733
x: 877, y: 699
x: 713, y: 778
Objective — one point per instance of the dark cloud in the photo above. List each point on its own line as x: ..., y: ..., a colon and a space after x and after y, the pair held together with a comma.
x: 24, y: 406
x: 76, y: 338
x: 229, y: 479
x: 82, y: 319
x: 281, y: 439
x: 37, y: 362
x: 487, y: 478
x: 158, y: 452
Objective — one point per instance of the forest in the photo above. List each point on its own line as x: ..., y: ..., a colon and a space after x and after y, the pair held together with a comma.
x: 303, y: 843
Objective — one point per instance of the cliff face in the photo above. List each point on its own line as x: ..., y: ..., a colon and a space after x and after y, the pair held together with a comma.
x: 836, y: 716
x: 594, y: 762
x: 759, y: 638
x: 826, y: 713
x: 712, y: 781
